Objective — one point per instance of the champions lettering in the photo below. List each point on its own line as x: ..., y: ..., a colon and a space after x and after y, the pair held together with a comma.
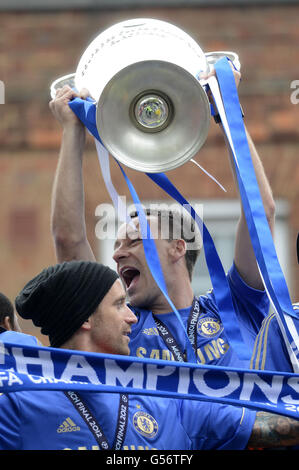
x: 41, y: 368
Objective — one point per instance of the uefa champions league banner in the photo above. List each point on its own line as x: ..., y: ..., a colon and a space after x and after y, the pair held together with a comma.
x: 43, y: 368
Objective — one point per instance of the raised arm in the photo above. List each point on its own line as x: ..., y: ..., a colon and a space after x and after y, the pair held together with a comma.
x: 244, y: 257
x: 68, y: 213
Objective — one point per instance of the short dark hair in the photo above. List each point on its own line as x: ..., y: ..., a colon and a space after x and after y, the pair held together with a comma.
x: 176, y: 221
x: 6, y: 309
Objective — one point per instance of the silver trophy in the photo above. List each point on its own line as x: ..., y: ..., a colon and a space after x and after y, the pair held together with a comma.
x: 153, y: 113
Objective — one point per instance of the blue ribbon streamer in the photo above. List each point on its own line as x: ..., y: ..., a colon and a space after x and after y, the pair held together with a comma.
x: 258, y: 226
x: 153, y: 260
x: 86, y: 112
x: 218, y: 277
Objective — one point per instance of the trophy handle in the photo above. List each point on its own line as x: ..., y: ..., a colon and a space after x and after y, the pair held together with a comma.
x: 212, y: 58
x: 60, y: 82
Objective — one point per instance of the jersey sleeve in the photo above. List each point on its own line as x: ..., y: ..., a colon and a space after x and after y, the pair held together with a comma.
x: 251, y: 305
x: 215, y: 426
x: 270, y: 351
x: 23, y: 339
x: 9, y: 424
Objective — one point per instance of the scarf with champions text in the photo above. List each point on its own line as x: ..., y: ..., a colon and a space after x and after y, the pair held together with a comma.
x: 44, y: 368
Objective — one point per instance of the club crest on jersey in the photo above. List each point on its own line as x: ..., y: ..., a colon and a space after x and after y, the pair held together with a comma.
x: 145, y: 424
x: 209, y: 327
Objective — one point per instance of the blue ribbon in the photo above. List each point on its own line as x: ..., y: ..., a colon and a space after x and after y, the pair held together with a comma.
x: 218, y: 277
x: 258, y: 226
x: 153, y: 260
x: 86, y: 112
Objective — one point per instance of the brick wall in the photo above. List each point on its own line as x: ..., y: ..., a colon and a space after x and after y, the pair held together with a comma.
x: 36, y: 48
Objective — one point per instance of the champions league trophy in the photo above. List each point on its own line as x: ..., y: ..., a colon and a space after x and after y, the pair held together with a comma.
x: 153, y: 113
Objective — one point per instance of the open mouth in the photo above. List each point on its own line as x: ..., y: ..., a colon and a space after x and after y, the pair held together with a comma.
x: 127, y: 335
x: 130, y: 276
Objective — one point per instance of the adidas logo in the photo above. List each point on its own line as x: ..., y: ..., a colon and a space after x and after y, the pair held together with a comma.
x: 68, y: 426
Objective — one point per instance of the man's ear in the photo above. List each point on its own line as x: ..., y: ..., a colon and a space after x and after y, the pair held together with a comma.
x: 178, y: 249
x: 7, y: 323
x: 87, y: 324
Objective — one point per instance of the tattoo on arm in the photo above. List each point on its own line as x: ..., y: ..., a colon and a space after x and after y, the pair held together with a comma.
x: 271, y: 430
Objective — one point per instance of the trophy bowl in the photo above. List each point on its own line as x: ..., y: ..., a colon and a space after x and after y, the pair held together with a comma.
x: 152, y: 114
x: 158, y: 116
x: 152, y: 110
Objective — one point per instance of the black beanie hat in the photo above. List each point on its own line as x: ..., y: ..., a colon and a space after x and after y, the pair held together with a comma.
x: 62, y: 297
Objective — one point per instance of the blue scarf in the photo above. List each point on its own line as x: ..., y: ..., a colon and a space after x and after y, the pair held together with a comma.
x: 41, y: 368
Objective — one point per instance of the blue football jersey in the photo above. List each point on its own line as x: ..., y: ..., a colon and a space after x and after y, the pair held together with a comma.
x: 251, y: 307
x: 47, y: 420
